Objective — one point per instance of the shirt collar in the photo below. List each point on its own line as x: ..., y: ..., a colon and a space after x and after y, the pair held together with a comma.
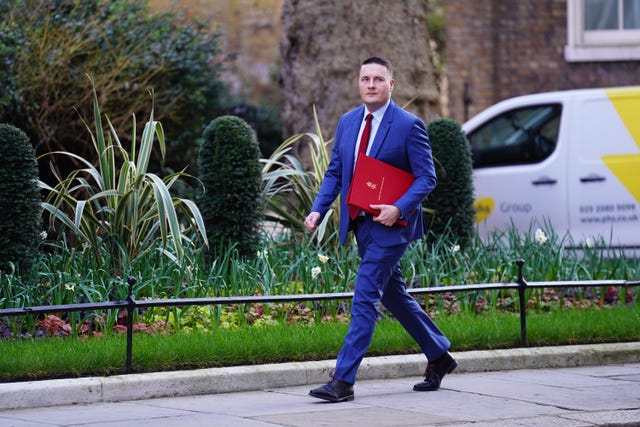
x: 379, y: 113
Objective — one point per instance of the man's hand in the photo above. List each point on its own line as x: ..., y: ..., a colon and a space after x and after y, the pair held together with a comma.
x: 388, y: 216
x: 311, y: 221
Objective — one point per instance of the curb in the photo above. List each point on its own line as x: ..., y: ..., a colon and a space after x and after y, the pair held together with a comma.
x: 30, y: 394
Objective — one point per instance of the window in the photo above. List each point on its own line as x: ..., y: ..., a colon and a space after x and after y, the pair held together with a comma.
x: 603, y: 30
x: 521, y: 136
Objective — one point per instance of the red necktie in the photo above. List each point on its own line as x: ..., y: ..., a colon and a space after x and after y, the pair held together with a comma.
x: 362, y: 149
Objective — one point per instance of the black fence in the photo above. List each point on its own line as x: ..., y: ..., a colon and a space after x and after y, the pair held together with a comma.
x: 130, y: 304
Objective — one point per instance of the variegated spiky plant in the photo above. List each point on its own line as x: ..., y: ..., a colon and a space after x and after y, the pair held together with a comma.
x: 115, y: 207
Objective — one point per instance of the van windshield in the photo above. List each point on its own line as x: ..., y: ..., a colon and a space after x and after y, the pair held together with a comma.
x: 520, y: 136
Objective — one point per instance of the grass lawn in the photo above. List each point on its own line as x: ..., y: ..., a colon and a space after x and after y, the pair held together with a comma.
x: 30, y: 359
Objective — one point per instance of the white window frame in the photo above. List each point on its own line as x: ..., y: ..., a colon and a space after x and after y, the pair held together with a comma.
x: 605, y: 45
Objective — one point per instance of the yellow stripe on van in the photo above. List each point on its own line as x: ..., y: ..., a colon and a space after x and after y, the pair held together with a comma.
x: 626, y: 101
x: 625, y: 167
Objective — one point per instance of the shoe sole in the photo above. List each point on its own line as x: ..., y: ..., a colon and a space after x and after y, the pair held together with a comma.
x: 333, y: 399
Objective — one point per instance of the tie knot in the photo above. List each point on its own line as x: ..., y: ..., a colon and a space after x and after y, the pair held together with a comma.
x: 369, y: 117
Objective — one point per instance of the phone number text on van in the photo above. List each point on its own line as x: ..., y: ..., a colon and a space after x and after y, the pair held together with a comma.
x: 621, y: 212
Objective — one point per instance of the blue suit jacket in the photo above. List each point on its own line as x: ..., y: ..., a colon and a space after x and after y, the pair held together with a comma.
x: 402, y: 141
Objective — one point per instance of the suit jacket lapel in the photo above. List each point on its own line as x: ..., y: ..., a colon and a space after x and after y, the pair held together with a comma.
x: 383, y: 130
x: 351, y: 135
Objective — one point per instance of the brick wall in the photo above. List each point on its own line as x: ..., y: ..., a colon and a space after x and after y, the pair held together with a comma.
x: 497, y: 49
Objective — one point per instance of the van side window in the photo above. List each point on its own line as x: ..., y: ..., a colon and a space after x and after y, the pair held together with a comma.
x: 521, y: 136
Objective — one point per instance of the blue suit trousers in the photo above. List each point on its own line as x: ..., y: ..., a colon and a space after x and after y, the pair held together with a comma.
x: 380, y: 279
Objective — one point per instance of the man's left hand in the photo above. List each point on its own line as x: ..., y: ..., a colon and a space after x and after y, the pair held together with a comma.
x: 388, y: 216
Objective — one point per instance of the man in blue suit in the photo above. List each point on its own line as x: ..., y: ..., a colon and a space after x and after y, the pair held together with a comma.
x: 399, y: 138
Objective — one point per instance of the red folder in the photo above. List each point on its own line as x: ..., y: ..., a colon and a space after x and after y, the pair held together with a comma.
x: 377, y: 183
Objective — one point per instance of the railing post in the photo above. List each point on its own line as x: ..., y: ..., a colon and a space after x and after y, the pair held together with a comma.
x: 131, y: 305
x: 522, y: 286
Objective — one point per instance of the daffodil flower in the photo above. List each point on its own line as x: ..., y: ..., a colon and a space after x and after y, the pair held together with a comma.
x: 541, y: 238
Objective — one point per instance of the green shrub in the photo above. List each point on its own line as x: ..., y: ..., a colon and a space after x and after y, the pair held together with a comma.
x: 229, y: 165
x: 265, y: 120
x: 47, y: 47
x: 19, y: 199
x: 450, y: 205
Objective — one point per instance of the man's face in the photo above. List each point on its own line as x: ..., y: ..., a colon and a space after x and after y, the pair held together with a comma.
x: 375, y: 85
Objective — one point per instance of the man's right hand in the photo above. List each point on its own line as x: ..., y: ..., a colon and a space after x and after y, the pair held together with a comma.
x: 311, y: 221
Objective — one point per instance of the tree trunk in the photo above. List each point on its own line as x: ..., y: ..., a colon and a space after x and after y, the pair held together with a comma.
x: 322, y: 45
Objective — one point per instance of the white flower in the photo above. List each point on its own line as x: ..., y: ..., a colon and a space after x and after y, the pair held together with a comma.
x: 43, y: 235
x: 323, y: 258
x: 541, y: 238
x: 70, y: 286
x: 455, y: 249
x: 590, y: 242
x: 262, y: 253
x: 315, y: 271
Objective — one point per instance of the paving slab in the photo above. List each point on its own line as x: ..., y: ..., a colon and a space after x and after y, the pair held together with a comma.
x: 593, y: 395
x: 540, y: 397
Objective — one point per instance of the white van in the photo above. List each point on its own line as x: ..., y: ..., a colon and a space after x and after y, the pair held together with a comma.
x: 569, y: 160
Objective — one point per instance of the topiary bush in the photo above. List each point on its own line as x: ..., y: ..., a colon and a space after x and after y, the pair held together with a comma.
x: 229, y: 166
x: 20, y: 212
x: 450, y: 205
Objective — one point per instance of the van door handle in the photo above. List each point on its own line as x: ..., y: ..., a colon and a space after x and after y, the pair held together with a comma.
x: 592, y: 178
x: 545, y: 180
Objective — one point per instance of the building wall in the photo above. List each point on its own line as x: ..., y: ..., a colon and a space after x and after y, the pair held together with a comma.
x: 497, y: 49
x: 250, y: 33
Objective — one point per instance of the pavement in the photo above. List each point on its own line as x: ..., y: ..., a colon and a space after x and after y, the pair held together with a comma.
x: 582, y: 385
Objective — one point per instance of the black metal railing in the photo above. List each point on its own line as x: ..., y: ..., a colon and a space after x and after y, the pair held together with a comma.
x: 131, y: 304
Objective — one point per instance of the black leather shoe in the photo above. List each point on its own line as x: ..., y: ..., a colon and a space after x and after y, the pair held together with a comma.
x: 436, y: 370
x: 334, y: 391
